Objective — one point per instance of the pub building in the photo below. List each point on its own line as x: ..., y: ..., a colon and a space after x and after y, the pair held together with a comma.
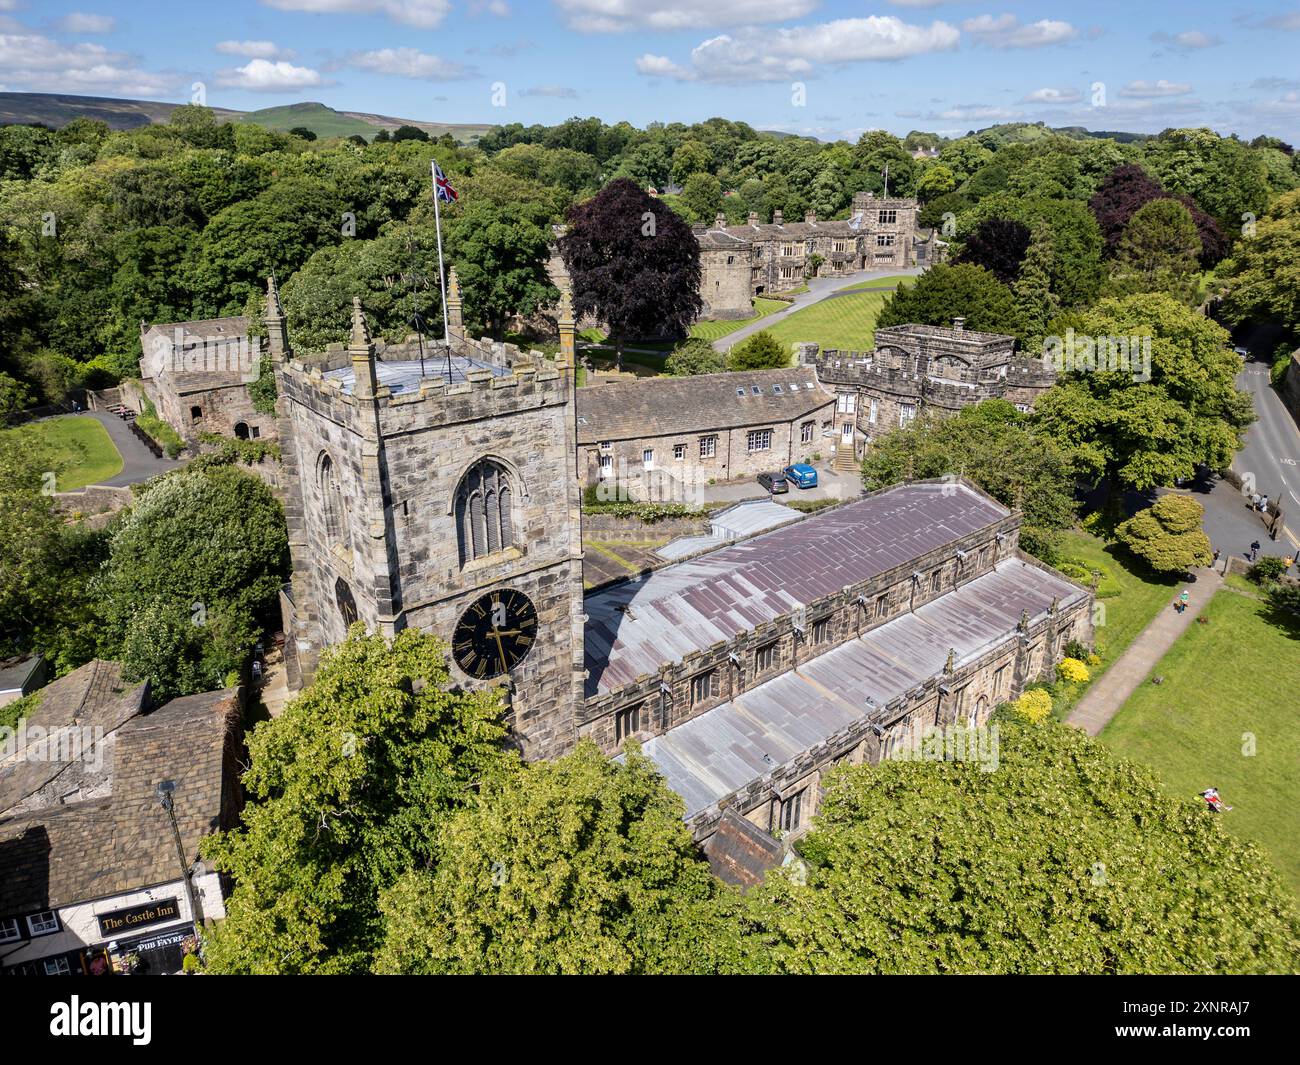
x: 99, y: 865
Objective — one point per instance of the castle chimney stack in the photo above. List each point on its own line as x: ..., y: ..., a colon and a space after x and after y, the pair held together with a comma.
x: 753, y: 218
x: 362, y: 350
x: 958, y: 325
x: 777, y: 218
x: 810, y: 217
x: 719, y: 221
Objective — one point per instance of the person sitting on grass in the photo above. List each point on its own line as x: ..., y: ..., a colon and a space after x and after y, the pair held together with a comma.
x: 1212, y: 800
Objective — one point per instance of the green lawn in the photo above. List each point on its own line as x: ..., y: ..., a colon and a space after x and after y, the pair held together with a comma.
x: 882, y: 282
x: 718, y: 330
x: 1227, y: 683
x: 1128, y: 599
x: 844, y: 322
x: 80, y: 448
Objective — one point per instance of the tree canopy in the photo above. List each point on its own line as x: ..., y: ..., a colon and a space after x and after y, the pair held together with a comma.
x: 1067, y: 859
x: 1167, y: 535
x: 634, y: 263
x: 348, y: 790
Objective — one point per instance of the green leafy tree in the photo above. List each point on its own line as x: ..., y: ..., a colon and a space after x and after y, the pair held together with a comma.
x: 1035, y: 301
x: 694, y: 357
x: 997, y: 448
x: 1076, y: 269
x: 945, y: 291
x: 1148, y: 423
x: 501, y: 255
x: 1158, y: 251
x: 580, y: 865
x: 935, y: 181
x: 391, y: 274
x: 348, y: 789
x: 1167, y: 535
x: 691, y: 157
x: 277, y: 231
x: 762, y: 351
x: 45, y: 564
x: 1264, y: 272
x: 1065, y: 860
x: 702, y: 197
x: 205, y: 547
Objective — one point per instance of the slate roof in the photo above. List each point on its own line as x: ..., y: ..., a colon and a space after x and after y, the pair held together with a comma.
x: 232, y: 327
x: 15, y: 672
x: 740, y: 852
x: 635, y: 627
x: 664, y: 406
x: 751, y: 736
x: 87, y: 850
x: 93, y: 696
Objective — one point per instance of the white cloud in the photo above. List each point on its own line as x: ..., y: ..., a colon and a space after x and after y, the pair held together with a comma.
x: 423, y: 14
x: 1007, y: 31
x: 490, y: 7
x: 779, y: 55
x: 80, y: 22
x: 409, y: 63
x: 34, y: 63
x: 975, y: 113
x: 1153, y: 90
x: 1187, y: 40
x: 1053, y: 96
x: 660, y: 66
x: 253, y: 49
x: 262, y: 75
x: 558, y: 92
x: 1290, y: 21
x: 617, y: 16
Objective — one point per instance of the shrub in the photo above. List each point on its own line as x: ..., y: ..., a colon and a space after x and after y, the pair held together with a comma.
x: 1033, y: 707
x: 1267, y: 570
x: 1073, y: 670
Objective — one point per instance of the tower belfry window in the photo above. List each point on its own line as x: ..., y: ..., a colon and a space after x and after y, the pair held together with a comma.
x: 484, y: 511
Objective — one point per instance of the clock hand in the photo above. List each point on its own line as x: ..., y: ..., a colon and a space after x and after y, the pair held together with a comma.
x: 500, y: 650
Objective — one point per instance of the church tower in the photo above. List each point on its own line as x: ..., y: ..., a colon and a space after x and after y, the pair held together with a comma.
x: 441, y: 493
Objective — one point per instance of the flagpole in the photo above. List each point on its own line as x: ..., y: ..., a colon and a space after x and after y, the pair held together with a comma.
x: 442, y: 277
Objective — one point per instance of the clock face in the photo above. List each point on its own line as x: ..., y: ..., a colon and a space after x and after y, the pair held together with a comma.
x: 495, y: 633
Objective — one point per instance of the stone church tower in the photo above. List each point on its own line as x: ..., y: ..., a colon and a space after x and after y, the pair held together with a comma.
x: 417, y: 487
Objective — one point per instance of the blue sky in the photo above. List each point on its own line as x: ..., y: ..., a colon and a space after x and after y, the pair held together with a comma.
x: 828, y: 68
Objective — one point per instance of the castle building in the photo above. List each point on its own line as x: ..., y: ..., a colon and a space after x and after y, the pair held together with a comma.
x: 915, y: 367
x: 445, y: 495
x: 196, y: 374
x: 738, y: 263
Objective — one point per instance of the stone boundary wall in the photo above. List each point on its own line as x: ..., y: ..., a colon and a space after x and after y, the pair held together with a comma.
x: 95, y: 499
x: 613, y: 528
x: 1291, y: 386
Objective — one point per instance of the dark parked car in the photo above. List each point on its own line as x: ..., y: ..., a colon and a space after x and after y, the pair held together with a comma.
x: 774, y: 482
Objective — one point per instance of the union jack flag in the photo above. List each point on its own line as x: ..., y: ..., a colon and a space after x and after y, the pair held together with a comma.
x: 442, y: 187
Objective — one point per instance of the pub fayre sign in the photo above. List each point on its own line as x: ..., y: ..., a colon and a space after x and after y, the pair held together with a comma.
x: 110, y: 924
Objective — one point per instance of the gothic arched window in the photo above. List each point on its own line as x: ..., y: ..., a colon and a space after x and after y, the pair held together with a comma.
x: 484, y: 518
x: 331, y: 495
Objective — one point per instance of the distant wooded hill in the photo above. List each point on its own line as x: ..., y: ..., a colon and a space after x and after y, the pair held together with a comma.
x: 57, y: 110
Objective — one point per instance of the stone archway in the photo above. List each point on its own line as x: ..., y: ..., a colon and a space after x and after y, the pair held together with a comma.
x: 241, y: 430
